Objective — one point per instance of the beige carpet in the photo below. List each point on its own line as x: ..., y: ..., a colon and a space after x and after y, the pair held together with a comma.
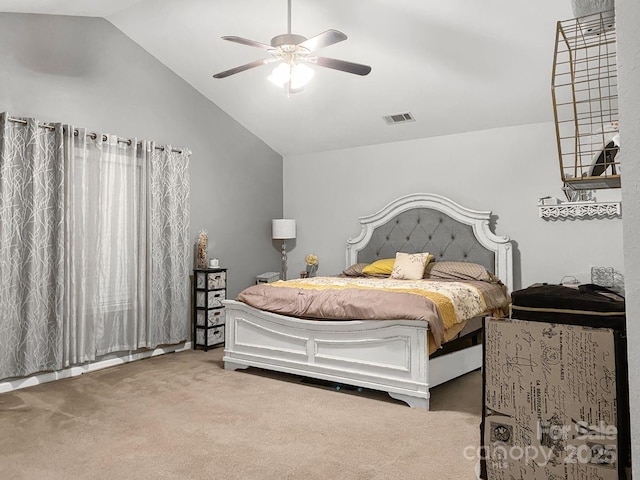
x: 182, y: 416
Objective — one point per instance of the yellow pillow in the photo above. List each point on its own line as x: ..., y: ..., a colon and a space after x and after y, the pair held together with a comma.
x: 380, y: 267
x: 410, y: 266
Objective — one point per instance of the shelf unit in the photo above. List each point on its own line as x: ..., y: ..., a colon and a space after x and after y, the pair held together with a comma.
x: 209, y: 291
x: 580, y: 210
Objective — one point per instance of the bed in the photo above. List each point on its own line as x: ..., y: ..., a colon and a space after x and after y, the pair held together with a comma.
x: 387, y: 355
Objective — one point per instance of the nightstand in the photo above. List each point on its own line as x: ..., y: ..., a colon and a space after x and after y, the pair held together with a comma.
x: 209, y: 290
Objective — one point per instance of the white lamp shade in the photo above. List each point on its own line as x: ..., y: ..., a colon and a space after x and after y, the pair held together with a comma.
x: 300, y: 76
x: 283, y: 228
x: 280, y: 75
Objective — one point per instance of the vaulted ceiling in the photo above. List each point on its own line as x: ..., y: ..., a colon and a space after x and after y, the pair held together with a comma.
x: 455, y: 65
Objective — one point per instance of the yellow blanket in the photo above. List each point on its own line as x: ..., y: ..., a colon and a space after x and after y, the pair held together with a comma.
x: 442, y: 304
x: 455, y: 301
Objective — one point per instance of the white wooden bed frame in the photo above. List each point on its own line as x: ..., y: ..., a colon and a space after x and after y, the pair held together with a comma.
x: 390, y: 356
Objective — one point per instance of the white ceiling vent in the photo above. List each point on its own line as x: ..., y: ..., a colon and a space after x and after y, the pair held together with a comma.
x: 398, y: 118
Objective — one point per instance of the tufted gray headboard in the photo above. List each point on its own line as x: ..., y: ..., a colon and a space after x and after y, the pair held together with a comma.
x: 427, y: 230
x: 431, y: 223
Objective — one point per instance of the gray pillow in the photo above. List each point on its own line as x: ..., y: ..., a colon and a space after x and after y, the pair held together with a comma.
x: 355, y: 270
x: 458, y: 271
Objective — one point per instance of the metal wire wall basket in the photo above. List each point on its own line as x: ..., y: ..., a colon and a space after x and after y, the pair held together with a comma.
x: 585, y: 102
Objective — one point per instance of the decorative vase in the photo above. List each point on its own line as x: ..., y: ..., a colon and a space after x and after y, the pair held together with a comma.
x: 201, y: 256
x: 311, y: 270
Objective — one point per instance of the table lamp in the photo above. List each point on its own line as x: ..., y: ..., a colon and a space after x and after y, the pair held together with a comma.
x: 283, y: 229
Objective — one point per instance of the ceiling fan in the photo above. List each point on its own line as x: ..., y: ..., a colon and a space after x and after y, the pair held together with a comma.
x: 294, y: 53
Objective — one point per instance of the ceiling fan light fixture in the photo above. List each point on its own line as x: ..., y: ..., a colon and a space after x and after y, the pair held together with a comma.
x: 280, y: 75
x: 297, y: 74
x: 300, y: 76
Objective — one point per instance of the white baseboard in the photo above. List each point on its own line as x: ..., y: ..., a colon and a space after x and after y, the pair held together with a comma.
x: 107, y: 361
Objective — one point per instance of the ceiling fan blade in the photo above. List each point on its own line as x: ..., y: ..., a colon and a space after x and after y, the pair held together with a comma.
x: 246, y: 41
x: 246, y: 66
x: 342, y: 65
x: 323, y: 40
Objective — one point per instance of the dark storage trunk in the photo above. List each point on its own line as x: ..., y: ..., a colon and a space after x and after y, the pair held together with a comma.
x: 587, y: 305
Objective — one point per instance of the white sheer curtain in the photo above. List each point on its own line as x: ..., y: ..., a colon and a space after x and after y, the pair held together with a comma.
x: 105, y: 304
x: 31, y: 254
x: 94, y: 246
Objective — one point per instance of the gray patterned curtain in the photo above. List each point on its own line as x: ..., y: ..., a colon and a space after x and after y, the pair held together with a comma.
x: 168, y: 244
x: 31, y: 247
x: 94, y: 247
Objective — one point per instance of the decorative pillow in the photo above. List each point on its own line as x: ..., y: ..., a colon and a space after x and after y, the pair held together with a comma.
x: 459, y: 271
x: 409, y: 266
x: 379, y: 267
x: 355, y: 270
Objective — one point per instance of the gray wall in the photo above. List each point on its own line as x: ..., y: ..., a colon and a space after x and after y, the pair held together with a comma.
x: 84, y: 71
x: 627, y: 20
x: 502, y: 170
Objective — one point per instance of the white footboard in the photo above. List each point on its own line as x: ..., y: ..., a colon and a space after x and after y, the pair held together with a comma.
x: 381, y: 355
